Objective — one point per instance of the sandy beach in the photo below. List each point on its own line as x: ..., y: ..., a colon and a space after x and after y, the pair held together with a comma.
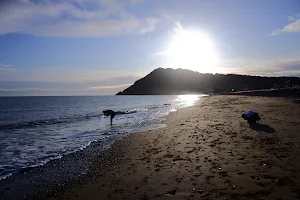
x: 149, y: 100
x: 206, y: 151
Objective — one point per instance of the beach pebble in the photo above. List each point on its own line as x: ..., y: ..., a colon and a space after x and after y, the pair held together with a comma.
x: 144, y: 197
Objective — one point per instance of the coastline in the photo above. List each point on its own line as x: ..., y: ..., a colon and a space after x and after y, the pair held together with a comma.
x: 205, y: 151
x: 269, y: 93
x: 44, y: 180
x: 57, y: 174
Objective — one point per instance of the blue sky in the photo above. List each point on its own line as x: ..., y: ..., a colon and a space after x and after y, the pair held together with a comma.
x: 94, y: 47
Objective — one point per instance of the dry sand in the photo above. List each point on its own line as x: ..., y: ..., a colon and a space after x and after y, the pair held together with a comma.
x: 206, y: 151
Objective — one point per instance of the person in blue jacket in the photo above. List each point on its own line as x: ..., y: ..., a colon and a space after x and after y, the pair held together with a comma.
x: 251, y: 117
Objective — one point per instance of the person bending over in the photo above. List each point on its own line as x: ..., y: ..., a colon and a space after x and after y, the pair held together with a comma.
x: 251, y: 117
x: 110, y: 113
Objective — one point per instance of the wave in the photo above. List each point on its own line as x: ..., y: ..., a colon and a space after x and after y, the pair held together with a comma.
x: 72, y: 119
x: 54, y: 121
x: 7, y: 171
x: 126, y: 112
x: 44, y: 122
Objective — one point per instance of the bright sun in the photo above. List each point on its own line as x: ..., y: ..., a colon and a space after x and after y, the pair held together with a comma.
x: 192, y: 50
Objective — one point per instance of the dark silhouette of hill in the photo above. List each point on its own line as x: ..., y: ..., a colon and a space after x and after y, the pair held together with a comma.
x: 181, y: 81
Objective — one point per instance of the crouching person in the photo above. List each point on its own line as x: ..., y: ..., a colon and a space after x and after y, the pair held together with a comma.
x: 110, y: 113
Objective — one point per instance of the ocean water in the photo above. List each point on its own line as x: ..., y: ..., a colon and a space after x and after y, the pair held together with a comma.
x: 35, y: 130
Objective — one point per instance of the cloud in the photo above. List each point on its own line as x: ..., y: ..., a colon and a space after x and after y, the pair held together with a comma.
x: 6, y: 67
x: 284, y: 67
x: 291, y: 18
x: 26, y: 89
x: 58, y: 74
x: 276, y: 32
x: 133, y: 2
x: 149, y: 25
x: 107, y: 87
x: 78, y: 18
x: 293, y: 27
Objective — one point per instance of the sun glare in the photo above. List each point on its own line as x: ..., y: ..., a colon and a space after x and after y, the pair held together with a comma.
x: 192, y: 50
x: 188, y: 100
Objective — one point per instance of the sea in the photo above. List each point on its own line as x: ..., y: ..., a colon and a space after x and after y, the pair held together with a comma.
x: 36, y: 130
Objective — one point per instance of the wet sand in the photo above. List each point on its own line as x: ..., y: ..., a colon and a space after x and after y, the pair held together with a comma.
x: 206, y: 151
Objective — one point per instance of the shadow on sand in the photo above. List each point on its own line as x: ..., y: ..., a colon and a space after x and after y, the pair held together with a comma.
x: 262, y: 127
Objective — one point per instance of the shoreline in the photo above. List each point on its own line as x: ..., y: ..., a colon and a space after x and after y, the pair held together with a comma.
x: 205, y: 151
x: 268, y: 93
x: 41, y: 181
x: 44, y: 180
x: 191, y: 157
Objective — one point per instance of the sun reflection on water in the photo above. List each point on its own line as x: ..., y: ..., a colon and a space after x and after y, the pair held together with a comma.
x: 188, y: 100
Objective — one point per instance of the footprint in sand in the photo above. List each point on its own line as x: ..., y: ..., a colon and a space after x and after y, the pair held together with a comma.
x: 223, y: 174
x: 171, y: 193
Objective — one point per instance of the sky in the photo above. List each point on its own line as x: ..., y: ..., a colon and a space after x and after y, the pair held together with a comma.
x: 101, y: 47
